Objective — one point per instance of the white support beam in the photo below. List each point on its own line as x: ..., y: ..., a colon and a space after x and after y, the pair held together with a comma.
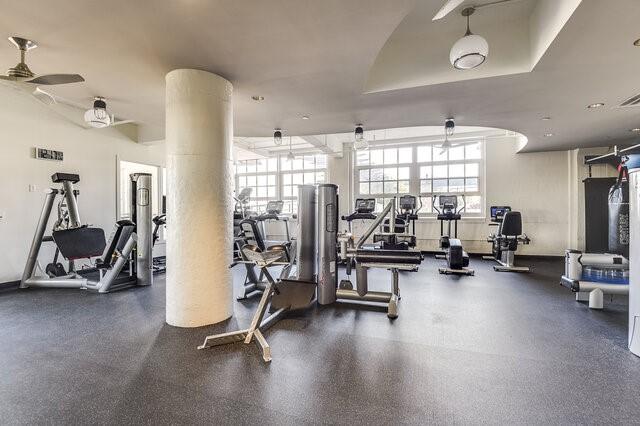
x: 321, y: 145
x: 246, y: 145
x: 461, y: 137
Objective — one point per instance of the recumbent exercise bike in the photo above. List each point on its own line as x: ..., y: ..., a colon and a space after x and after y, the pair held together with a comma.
x: 504, y: 243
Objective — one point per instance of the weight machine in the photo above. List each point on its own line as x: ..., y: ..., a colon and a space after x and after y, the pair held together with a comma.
x: 316, y: 272
x: 124, y: 260
x: 630, y: 159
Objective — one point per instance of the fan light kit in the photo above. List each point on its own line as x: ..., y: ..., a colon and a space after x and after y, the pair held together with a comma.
x: 471, y: 50
x: 545, y: 118
x: 277, y: 137
x: 98, y: 116
x: 305, y: 117
x: 449, y: 126
x: 548, y: 135
x: 21, y: 71
x: 596, y: 105
x: 636, y: 130
x: 449, y: 129
x: 257, y: 98
x: 360, y: 143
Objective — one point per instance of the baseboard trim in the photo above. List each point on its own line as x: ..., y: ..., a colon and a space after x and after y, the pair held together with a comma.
x: 10, y: 285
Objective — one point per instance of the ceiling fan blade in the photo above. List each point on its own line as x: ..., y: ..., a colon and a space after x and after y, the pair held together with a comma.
x: 447, y: 8
x: 51, y: 79
x: 5, y: 77
x: 118, y: 122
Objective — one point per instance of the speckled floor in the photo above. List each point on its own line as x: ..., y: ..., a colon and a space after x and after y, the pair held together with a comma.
x: 495, y: 348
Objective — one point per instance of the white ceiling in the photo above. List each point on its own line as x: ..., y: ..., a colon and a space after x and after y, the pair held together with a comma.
x: 314, y: 57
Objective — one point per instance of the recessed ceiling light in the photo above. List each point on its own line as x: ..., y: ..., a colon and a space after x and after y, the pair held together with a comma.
x: 636, y: 130
x: 596, y: 105
x: 637, y: 42
x: 545, y: 118
x: 305, y: 117
x: 257, y: 98
x: 548, y: 135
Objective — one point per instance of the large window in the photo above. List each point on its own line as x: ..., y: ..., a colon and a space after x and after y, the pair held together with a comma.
x: 278, y: 178
x: 307, y: 170
x: 424, y: 169
x: 260, y: 175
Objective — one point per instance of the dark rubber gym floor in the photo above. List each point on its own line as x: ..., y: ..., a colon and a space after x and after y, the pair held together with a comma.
x: 498, y: 348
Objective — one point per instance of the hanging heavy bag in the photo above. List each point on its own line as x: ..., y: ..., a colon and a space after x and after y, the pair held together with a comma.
x: 619, y: 215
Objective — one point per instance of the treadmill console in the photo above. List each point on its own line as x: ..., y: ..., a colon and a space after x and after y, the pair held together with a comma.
x: 407, y: 202
x: 275, y: 207
x: 365, y: 205
x: 448, y: 203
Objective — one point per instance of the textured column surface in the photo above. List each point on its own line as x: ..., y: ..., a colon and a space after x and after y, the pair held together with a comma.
x: 199, y: 130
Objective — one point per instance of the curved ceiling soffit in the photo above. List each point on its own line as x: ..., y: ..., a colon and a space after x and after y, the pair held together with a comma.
x: 374, y: 58
x: 546, y: 18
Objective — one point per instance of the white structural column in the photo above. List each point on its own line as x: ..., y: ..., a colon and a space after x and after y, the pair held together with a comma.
x: 199, y: 131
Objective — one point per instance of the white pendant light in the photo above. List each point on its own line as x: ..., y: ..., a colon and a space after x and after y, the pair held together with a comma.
x: 97, y: 116
x: 471, y: 50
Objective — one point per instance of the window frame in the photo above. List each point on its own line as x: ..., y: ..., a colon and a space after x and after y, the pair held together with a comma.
x: 415, y: 179
x: 290, y: 201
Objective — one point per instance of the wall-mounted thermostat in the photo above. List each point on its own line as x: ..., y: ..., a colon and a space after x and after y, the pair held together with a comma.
x: 49, y: 154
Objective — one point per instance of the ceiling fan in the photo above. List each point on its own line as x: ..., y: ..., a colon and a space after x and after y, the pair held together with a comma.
x: 450, y: 5
x: 96, y: 116
x: 449, y: 129
x: 22, y: 73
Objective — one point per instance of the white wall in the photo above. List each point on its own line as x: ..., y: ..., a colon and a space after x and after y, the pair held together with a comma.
x: 24, y: 124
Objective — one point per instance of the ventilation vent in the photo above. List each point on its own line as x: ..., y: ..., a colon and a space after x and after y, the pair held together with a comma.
x: 631, y: 102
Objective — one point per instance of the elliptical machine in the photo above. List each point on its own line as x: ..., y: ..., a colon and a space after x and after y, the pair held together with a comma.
x: 448, y: 211
x: 405, y: 228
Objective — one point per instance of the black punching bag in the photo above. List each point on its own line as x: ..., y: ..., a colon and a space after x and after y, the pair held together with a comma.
x: 619, y: 216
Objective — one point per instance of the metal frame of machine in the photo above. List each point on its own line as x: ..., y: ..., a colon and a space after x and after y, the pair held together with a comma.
x: 129, y: 243
x: 593, y: 290
x: 630, y: 158
x: 457, y: 259
x: 504, y: 244
x: 252, y: 231
x: 316, y: 274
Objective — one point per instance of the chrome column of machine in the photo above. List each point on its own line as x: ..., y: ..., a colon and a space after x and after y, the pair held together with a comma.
x: 72, y: 204
x: 141, y: 211
x: 306, y: 235
x: 634, y: 254
x: 327, y: 224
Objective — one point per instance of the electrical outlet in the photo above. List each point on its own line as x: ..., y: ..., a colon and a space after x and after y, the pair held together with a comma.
x: 32, y: 187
